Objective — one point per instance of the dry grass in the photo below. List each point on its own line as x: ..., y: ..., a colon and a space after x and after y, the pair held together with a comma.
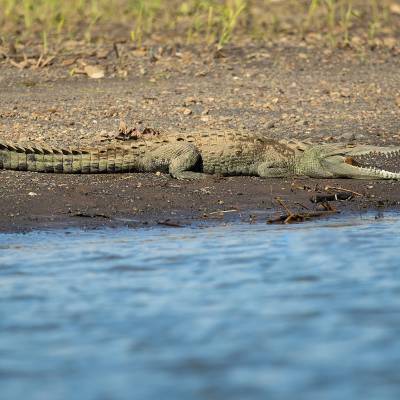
x: 206, y: 21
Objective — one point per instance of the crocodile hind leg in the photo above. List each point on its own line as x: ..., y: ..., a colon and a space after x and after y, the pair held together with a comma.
x: 180, y: 159
x: 182, y: 166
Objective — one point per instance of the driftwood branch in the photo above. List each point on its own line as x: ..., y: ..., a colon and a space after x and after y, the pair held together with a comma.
x: 291, y: 217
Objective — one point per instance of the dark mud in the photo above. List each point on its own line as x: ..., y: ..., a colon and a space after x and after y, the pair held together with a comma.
x: 283, y: 91
x: 29, y: 201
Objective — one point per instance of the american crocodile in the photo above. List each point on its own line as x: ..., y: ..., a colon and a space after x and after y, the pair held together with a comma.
x: 190, y: 156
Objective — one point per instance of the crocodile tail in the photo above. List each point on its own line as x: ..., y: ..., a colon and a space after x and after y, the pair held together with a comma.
x: 69, y: 161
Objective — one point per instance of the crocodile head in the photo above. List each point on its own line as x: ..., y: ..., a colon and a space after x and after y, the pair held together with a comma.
x: 347, y: 161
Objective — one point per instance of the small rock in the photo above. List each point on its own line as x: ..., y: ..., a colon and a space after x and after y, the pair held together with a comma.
x: 102, y: 53
x: 349, y: 136
x: 390, y: 42
x: 395, y: 8
x: 201, y: 73
x: 68, y: 62
x: 345, y: 92
x: 190, y: 100
x: 186, y: 111
x: 94, y: 71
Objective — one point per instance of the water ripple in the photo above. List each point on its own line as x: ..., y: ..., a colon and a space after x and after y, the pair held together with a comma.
x: 237, y: 311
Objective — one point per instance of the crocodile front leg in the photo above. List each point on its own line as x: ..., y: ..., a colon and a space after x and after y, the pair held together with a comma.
x: 268, y: 170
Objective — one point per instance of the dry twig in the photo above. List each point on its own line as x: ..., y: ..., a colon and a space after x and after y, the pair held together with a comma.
x: 340, y: 189
x: 292, y: 217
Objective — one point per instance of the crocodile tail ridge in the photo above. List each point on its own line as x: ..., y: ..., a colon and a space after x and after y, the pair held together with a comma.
x: 36, y: 158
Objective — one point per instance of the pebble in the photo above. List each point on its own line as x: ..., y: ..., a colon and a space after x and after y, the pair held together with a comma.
x: 350, y: 136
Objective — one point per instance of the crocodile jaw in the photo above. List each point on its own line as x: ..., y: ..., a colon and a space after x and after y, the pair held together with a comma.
x: 346, y: 170
x: 356, y: 162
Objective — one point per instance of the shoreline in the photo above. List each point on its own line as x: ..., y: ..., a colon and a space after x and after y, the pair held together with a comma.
x: 30, y: 201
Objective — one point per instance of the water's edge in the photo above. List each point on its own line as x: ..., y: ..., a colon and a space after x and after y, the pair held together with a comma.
x: 249, y: 217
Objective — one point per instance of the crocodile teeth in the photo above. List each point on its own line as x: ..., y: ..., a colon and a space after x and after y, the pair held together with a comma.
x: 385, y: 174
x: 380, y: 173
x: 382, y: 163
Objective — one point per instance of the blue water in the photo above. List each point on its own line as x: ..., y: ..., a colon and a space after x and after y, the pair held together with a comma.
x: 241, y: 311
